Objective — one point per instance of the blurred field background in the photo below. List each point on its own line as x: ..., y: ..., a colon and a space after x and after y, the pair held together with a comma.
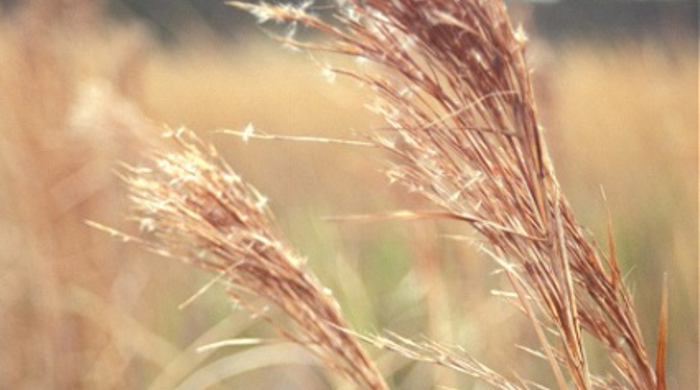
x: 87, y: 84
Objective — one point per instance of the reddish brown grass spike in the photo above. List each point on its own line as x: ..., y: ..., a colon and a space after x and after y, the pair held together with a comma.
x: 196, y: 208
x: 450, y: 67
x: 661, y: 343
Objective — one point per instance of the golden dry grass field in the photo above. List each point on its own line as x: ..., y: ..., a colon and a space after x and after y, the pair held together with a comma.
x: 80, y: 309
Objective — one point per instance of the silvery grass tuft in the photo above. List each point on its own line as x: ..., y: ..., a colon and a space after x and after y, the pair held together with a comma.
x: 453, y: 87
x: 192, y: 206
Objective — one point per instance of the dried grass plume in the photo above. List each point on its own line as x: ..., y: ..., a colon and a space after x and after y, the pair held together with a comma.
x: 450, y: 79
x: 192, y: 206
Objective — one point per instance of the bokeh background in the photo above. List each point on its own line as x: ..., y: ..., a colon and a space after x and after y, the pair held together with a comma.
x: 86, y: 84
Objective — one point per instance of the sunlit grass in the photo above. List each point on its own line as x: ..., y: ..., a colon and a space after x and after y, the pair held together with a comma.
x: 622, y: 117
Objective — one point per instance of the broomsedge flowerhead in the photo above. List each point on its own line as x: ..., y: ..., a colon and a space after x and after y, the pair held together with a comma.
x: 192, y: 206
x: 452, y: 84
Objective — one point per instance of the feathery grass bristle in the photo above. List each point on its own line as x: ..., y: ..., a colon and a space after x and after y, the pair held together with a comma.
x: 454, y: 88
x: 194, y: 207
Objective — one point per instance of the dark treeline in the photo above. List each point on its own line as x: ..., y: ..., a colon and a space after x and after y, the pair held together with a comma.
x: 555, y: 20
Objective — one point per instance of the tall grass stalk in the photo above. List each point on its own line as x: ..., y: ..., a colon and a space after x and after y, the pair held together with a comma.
x: 454, y: 88
x: 192, y: 206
